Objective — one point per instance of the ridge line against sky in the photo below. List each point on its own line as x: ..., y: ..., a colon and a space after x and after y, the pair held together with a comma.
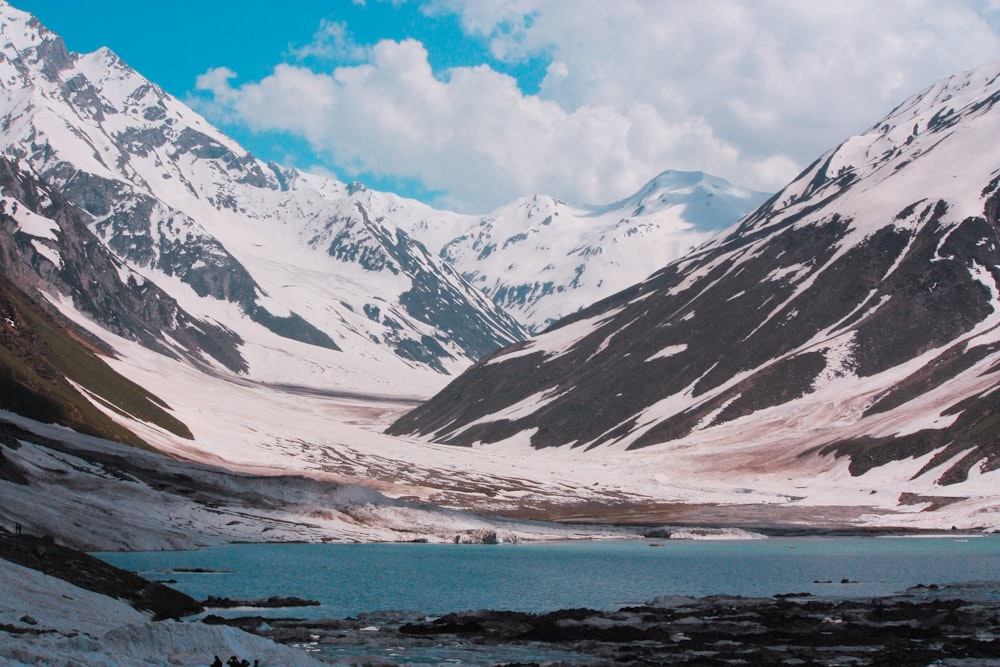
x: 469, y: 104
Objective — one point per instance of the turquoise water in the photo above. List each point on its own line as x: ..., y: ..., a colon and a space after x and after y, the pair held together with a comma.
x: 351, y: 579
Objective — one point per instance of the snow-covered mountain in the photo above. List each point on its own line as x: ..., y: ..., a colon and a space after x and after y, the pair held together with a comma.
x: 848, y: 330
x: 289, y: 275
x: 543, y: 259
x: 162, y: 287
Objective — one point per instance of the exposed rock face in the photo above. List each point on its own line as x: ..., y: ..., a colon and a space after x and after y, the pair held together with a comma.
x: 47, y: 248
x: 871, y: 282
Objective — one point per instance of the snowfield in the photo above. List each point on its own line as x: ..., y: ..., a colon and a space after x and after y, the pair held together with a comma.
x: 106, y: 497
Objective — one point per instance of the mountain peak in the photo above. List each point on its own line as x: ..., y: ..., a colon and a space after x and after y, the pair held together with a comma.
x: 30, y: 48
x: 673, y: 179
x: 890, y: 157
x: 708, y: 203
x: 20, y: 29
x: 542, y: 259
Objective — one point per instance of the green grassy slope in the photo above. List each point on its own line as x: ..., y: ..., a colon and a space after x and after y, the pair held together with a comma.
x: 38, y: 354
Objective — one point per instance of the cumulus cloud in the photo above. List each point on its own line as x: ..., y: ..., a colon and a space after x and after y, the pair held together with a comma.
x: 751, y: 91
x: 472, y: 135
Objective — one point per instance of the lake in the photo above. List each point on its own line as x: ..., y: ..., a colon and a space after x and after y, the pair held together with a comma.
x: 434, y: 579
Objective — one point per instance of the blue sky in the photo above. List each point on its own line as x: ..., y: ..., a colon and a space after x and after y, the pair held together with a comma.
x: 468, y: 104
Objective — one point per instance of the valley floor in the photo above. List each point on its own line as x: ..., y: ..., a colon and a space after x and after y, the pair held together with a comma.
x: 310, y: 426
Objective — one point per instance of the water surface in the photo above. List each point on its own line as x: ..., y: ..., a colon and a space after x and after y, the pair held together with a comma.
x: 353, y: 579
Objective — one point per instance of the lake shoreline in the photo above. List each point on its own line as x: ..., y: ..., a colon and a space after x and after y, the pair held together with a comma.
x: 789, y: 519
x: 931, y: 621
x: 925, y: 624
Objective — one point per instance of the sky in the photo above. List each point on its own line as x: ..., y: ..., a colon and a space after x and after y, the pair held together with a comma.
x: 470, y: 104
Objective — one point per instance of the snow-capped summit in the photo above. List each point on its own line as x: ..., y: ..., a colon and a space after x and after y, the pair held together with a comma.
x: 710, y: 203
x: 851, y: 324
x: 542, y: 259
x: 293, y: 266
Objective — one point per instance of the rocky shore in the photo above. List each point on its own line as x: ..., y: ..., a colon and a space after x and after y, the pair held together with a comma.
x: 957, y: 625
x: 275, y: 601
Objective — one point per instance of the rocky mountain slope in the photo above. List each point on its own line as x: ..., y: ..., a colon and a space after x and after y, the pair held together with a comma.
x: 854, y: 319
x: 260, y: 259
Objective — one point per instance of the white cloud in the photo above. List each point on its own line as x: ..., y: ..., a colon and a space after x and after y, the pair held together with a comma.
x: 762, y: 73
x: 474, y: 135
x: 751, y: 91
x: 333, y: 41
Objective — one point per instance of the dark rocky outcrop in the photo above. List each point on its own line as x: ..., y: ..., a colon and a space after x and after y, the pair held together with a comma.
x: 926, y: 625
x: 93, y: 574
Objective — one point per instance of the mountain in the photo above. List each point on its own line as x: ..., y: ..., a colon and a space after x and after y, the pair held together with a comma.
x: 542, y: 259
x: 263, y: 259
x: 162, y: 287
x: 846, y: 334
x: 256, y: 260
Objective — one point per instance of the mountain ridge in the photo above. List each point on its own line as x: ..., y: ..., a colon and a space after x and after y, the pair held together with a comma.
x: 185, y: 207
x: 869, y: 283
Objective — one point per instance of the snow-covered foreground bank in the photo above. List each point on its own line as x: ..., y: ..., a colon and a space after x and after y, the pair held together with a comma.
x: 47, y: 621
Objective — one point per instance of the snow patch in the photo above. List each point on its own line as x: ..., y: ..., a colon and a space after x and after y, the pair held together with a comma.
x: 669, y: 351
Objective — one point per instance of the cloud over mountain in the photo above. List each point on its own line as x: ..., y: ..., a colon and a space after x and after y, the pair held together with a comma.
x: 746, y: 91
